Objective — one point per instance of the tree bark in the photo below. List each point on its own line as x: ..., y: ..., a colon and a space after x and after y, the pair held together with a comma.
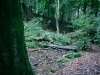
x: 96, y: 7
x: 57, y: 15
x: 13, y: 54
x: 84, y: 7
x: 35, y: 4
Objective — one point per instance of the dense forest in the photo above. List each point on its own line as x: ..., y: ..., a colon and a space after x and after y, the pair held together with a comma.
x: 74, y: 21
x: 50, y: 37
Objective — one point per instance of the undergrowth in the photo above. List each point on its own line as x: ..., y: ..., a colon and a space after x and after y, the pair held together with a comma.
x: 86, y: 31
x: 70, y: 55
x: 36, y: 37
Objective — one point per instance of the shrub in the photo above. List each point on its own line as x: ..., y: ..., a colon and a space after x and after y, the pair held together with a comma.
x: 34, y: 30
x: 70, y: 55
x: 85, y: 31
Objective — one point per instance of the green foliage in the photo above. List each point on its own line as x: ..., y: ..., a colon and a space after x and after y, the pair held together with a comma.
x: 84, y: 22
x: 53, y: 70
x: 70, y: 55
x: 98, y: 35
x: 82, y: 12
x: 32, y: 44
x: 62, y: 60
x: 73, y: 54
x: 37, y: 37
x: 78, y: 54
x: 85, y: 30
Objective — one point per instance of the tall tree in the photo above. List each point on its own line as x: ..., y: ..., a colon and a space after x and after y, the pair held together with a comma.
x: 13, y: 54
x: 57, y: 15
x: 94, y: 7
x: 24, y: 6
x: 34, y: 6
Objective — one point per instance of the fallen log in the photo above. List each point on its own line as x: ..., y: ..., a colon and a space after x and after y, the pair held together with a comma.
x: 39, y: 38
x: 69, y: 47
x: 31, y: 50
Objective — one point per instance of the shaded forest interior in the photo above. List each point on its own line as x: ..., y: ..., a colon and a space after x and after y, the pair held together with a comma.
x: 59, y: 37
x: 63, y: 25
x: 77, y: 20
x: 60, y: 31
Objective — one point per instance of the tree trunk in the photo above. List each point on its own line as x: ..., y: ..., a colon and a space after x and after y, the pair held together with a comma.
x: 78, y: 11
x: 57, y: 15
x: 69, y: 13
x: 30, y: 6
x: 13, y: 54
x: 24, y: 6
x: 48, y: 11
x: 84, y: 7
x: 96, y: 7
x: 62, y: 12
x: 35, y: 4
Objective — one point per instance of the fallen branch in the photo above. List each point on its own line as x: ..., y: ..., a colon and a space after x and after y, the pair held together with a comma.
x: 69, y: 47
x: 31, y: 50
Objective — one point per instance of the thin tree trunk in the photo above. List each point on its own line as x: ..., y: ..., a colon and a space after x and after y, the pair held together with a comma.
x: 35, y: 4
x: 57, y: 15
x: 84, y: 7
x: 69, y: 13
x: 78, y: 11
x: 96, y: 9
x: 62, y: 12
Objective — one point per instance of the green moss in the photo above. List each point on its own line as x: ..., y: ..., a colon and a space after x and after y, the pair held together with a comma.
x: 69, y: 55
x: 62, y: 60
x: 73, y: 54
x: 53, y: 70
x: 78, y: 54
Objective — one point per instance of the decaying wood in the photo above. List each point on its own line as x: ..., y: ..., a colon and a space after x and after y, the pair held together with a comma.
x: 38, y: 38
x: 69, y: 47
x: 31, y: 50
x: 66, y: 55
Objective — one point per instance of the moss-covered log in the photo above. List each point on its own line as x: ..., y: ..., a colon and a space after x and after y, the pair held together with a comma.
x: 13, y: 55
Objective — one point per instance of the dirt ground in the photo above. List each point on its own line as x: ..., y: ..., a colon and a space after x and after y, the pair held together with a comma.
x: 88, y: 64
x: 43, y: 60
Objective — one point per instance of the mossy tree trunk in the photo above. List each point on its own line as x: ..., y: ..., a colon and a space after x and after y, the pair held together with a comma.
x: 13, y: 54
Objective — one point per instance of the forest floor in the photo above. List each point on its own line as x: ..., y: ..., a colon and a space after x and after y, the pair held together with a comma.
x: 45, y: 62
